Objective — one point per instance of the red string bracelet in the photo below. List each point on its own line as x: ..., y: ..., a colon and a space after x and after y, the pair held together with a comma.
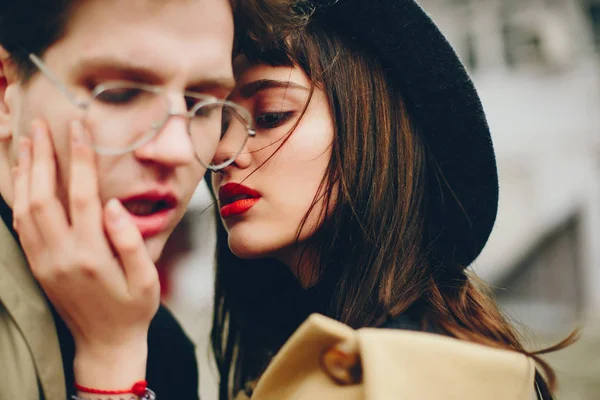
x: 138, y: 389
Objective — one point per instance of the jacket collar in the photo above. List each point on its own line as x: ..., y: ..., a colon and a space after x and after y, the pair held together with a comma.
x: 25, y: 302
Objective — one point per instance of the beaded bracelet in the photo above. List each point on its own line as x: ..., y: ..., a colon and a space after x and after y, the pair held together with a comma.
x: 139, y: 391
x: 148, y: 395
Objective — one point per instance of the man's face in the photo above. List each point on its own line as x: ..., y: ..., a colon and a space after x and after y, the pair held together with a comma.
x: 179, y: 45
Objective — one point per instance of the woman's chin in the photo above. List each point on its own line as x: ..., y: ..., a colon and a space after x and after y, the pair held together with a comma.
x: 252, y: 241
x: 251, y: 246
x: 246, y: 250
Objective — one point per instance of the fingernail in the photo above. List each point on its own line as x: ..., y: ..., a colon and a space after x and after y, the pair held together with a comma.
x: 115, y: 213
x: 24, y: 148
x: 76, y: 131
x: 38, y: 129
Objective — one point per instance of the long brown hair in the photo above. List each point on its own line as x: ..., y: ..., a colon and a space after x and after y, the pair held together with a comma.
x: 370, y: 254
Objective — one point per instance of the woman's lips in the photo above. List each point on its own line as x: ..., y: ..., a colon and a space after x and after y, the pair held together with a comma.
x: 238, y: 207
x: 236, y: 199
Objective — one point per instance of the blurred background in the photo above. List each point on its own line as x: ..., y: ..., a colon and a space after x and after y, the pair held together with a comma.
x: 536, y: 64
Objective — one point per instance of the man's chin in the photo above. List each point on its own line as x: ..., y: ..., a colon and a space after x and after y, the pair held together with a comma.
x: 155, y: 246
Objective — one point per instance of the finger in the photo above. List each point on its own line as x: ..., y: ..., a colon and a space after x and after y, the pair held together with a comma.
x: 84, y: 200
x: 47, y: 210
x: 127, y: 241
x: 22, y: 220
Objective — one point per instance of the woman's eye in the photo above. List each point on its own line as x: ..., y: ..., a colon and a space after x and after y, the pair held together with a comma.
x: 273, y: 119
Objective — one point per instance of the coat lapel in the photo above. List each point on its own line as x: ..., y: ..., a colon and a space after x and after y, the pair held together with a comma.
x: 28, y: 307
x: 322, y: 358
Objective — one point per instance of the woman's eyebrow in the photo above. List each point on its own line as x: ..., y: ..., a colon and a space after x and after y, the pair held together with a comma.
x: 249, y: 89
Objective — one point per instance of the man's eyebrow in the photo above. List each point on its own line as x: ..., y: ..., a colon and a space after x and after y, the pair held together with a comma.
x: 128, y: 69
x: 132, y: 70
x: 249, y: 89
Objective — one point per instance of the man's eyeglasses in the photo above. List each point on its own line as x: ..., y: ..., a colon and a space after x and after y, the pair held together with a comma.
x: 122, y: 116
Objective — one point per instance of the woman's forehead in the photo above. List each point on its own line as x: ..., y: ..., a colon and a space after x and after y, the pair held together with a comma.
x: 246, y: 70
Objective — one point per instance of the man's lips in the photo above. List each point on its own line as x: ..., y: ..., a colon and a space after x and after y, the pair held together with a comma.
x: 152, y: 212
x: 236, y: 199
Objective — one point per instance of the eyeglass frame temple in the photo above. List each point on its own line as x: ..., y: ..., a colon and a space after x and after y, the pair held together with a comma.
x: 59, y: 84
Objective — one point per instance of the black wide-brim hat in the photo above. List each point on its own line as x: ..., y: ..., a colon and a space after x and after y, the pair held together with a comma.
x: 442, y: 100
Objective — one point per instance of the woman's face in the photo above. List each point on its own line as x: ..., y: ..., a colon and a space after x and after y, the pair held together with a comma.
x: 280, y: 169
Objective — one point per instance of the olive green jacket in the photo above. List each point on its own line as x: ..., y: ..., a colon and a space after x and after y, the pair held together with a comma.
x: 30, y: 358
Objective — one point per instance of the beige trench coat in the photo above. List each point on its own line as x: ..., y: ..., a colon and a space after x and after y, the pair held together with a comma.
x: 321, y: 360
x: 30, y: 359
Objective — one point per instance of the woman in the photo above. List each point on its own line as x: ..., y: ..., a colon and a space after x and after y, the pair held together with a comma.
x: 372, y: 178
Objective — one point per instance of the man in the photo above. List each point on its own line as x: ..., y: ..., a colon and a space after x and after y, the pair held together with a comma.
x: 55, y: 53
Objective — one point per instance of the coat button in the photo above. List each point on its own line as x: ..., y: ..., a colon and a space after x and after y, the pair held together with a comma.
x: 341, y: 363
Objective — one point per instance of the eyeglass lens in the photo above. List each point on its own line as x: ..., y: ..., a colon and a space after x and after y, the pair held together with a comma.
x: 124, y: 117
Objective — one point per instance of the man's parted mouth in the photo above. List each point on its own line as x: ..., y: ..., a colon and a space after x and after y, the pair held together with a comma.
x: 149, y: 203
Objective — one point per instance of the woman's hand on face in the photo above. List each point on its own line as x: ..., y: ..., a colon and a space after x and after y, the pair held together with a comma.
x: 91, y: 261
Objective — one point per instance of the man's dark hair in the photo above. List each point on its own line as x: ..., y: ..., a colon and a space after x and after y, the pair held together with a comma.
x: 31, y: 26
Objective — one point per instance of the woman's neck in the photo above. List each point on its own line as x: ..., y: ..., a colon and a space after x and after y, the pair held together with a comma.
x: 302, y: 262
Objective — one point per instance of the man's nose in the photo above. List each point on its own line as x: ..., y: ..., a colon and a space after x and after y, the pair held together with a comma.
x: 172, y: 145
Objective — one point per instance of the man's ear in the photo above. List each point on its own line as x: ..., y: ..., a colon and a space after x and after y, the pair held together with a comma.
x: 8, y: 77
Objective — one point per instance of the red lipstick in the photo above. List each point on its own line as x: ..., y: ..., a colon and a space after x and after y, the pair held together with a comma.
x: 152, y: 211
x: 236, y: 199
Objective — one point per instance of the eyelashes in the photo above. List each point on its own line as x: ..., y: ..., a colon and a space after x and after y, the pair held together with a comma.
x: 271, y: 120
